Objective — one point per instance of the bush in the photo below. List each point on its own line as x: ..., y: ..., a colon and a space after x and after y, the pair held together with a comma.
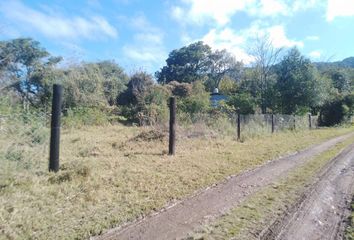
x: 243, y: 103
x: 180, y: 89
x: 144, y: 102
x: 338, y: 111
x: 198, y: 102
x: 79, y: 116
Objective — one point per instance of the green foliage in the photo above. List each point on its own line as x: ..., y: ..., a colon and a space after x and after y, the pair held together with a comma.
x: 79, y: 116
x: 243, y: 103
x: 137, y: 89
x: 197, y: 62
x: 298, y: 84
x: 340, y: 79
x: 337, y: 111
x: 179, y: 89
x: 228, y: 86
x: 198, y: 102
x: 113, y: 80
x: 92, y: 84
x: 222, y: 64
x: 187, y: 64
x: 156, y: 108
x: 25, y: 66
x: 144, y: 102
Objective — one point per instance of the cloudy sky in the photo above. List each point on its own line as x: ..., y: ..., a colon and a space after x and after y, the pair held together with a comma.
x: 139, y: 34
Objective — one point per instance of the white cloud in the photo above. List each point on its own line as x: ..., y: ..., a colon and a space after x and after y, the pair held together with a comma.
x: 229, y: 40
x: 315, y: 54
x: 339, y: 8
x: 312, y: 38
x: 221, y: 11
x: 279, y: 39
x: 238, y: 42
x: 301, y: 5
x: 202, y: 11
x: 266, y: 8
x: 57, y: 26
x: 147, y: 48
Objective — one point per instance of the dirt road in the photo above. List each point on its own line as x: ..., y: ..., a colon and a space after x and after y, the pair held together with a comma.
x: 320, y: 215
x: 176, y: 221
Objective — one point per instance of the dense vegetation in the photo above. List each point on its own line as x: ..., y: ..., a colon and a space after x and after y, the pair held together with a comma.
x: 278, y: 81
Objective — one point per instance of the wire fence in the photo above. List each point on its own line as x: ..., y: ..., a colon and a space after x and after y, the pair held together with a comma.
x: 242, y: 126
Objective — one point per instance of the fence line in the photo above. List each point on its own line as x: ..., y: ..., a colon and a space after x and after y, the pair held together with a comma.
x: 247, y: 126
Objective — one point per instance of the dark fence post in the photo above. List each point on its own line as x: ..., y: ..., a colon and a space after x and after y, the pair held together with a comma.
x: 272, y: 123
x: 310, y: 121
x: 172, y: 138
x: 294, y: 122
x: 55, y: 128
x: 238, y: 127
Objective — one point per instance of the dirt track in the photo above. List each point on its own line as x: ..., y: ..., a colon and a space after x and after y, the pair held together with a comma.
x: 176, y: 221
x: 320, y: 215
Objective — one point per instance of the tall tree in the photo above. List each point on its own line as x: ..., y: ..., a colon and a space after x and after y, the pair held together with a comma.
x: 25, y: 64
x: 298, y: 84
x: 114, y: 80
x: 222, y: 64
x: 187, y: 64
x: 340, y: 79
x: 265, y: 56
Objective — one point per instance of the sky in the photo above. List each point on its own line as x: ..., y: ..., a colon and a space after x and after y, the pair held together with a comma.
x: 139, y: 34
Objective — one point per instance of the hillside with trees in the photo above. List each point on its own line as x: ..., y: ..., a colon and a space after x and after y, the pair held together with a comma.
x: 278, y: 81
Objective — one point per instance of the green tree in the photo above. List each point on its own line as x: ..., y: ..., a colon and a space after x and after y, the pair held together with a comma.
x: 138, y: 87
x: 83, y: 86
x: 298, y: 84
x: 24, y: 65
x: 143, y: 101
x: 265, y: 56
x: 243, y: 103
x: 187, y: 64
x: 114, y: 80
x: 197, y: 102
x: 222, y: 64
x: 340, y: 79
x: 337, y: 111
x: 92, y: 84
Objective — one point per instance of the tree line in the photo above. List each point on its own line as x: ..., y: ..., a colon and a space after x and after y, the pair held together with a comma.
x: 277, y: 81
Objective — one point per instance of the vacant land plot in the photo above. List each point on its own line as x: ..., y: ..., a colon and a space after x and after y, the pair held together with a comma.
x: 115, y: 174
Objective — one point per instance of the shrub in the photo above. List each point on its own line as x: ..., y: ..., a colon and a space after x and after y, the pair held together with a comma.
x: 197, y: 102
x: 144, y: 102
x: 180, y: 89
x: 243, y: 103
x: 337, y: 111
x: 79, y: 116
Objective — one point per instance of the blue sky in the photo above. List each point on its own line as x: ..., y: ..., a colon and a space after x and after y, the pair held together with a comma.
x: 139, y: 34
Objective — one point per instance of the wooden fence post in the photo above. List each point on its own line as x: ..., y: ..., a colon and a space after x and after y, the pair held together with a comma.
x: 272, y: 123
x: 294, y: 122
x: 238, y: 127
x: 310, y: 121
x: 55, y: 128
x: 172, y: 137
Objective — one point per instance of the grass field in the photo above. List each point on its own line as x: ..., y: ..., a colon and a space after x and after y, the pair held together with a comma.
x: 114, y: 174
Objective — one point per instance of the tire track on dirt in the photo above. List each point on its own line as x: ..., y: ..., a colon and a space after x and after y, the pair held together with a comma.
x: 322, y: 211
x: 181, y: 218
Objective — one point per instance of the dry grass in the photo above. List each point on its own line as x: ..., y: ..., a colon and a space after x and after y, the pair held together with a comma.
x: 114, y: 174
x: 262, y: 208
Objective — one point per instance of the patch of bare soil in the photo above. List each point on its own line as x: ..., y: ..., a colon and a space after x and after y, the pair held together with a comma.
x: 323, y: 208
x: 175, y: 221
